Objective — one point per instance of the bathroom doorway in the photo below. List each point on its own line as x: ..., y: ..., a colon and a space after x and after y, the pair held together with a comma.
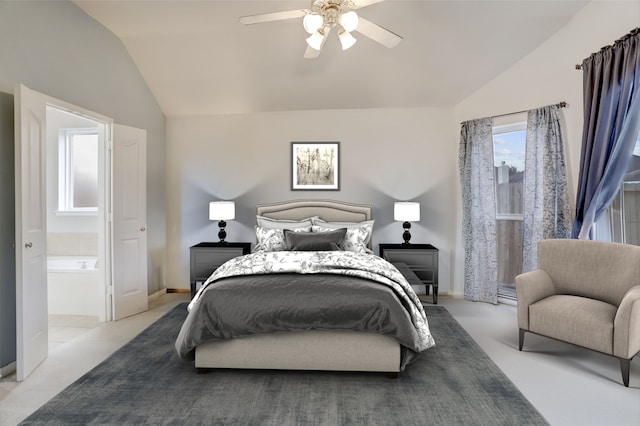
x: 121, y: 219
x: 75, y: 206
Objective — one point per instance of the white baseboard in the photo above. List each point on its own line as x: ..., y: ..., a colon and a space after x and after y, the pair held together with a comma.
x: 8, y: 369
x: 157, y: 294
x: 507, y: 301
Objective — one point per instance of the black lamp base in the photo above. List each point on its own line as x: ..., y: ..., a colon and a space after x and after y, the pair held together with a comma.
x: 222, y: 234
x: 406, y: 235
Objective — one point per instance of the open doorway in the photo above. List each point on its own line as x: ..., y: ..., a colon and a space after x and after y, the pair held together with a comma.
x: 121, y: 219
x: 75, y: 239
x: 74, y: 186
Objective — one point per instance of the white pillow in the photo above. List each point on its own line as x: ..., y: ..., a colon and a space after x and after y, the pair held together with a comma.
x: 357, y: 237
x: 273, y: 239
x: 266, y: 222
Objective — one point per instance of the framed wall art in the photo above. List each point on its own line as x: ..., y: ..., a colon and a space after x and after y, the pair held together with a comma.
x: 315, y: 166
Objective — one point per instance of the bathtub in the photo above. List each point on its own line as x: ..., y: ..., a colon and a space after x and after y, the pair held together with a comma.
x: 72, y: 264
x: 74, y: 284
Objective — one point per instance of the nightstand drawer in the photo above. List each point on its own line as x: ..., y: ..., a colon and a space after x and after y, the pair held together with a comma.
x: 205, y: 258
x: 413, y: 258
x: 422, y: 259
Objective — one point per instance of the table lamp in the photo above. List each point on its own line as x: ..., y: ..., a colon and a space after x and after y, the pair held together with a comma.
x: 222, y: 211
x: 405, y: 211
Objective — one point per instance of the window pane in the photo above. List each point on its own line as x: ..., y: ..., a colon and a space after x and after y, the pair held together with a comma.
x: 509, y: 149
x: 509, y: 152
x: 632, y: 212
x: 622, y: 223
x: 84, y: 154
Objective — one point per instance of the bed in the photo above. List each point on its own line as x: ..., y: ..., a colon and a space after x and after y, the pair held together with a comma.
x: 276, y: 309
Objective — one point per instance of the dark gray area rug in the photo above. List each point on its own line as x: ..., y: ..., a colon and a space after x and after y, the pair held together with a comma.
x: 145, y: 382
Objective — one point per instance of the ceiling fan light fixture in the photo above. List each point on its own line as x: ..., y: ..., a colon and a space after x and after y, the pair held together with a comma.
x: 312, y: 22
x: 346, y: 40
x: 349, y: 21
x: 315, y: 40
x: 326, y: 16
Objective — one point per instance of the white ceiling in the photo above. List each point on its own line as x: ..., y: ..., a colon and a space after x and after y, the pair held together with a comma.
x: 197, y: 58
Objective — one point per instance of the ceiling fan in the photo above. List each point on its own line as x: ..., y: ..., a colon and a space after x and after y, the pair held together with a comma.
x: 325, y: 15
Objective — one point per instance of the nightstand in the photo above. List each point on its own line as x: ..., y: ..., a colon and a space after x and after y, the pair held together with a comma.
x: 422, y: 259
x: 207, y: 257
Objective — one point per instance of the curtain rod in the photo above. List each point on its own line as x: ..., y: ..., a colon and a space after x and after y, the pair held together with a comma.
x: 631, y: 34
x: 559, y: 105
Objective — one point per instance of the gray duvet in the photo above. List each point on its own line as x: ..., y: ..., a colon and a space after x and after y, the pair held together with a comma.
x: 268, y: 292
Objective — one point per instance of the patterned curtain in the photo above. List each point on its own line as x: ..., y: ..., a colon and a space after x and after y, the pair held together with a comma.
x: 546, y: 200
x: 476, y: 164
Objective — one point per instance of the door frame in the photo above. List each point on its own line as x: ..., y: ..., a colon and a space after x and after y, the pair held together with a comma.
x: 31, y: 291
x: 104, y: 199
x: 105, y: 211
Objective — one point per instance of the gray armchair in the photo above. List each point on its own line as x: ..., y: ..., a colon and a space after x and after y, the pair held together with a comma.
x: 586, y: 293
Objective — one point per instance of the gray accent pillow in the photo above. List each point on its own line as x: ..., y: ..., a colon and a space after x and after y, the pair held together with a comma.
x: 273, y: 239
x: 310, y: 241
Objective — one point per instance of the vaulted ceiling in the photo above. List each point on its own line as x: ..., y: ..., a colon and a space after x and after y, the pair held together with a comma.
x: 197, y: 58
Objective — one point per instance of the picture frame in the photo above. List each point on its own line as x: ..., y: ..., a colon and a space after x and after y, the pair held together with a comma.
x: 315, y: 166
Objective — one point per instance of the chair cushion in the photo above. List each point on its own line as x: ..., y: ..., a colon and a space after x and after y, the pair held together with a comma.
x: 574, y: 319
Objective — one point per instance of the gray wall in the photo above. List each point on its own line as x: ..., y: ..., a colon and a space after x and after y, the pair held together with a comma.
x: 7, y: 235
x: 386, y: 155
x: 53, y: 47
x: 57, y: 49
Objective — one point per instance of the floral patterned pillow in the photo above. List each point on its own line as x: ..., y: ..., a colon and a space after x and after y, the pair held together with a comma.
x: 273, y: 239
x: 357, y: 237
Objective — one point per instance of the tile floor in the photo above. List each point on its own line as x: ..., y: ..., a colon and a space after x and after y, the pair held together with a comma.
x: 568, y: 385
x: 64, y: 328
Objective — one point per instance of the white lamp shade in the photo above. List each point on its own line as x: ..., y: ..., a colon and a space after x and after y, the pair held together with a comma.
x: 315, y: 40
x: 349, y: 21
x: 346, y: 40
x: 312, y: 22
x: 222, y: 210
x: 405, y: 211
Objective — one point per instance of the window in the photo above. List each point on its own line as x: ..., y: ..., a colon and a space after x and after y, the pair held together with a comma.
x: 622, y: 223
x: 78, y: 171
x: 509, y: 153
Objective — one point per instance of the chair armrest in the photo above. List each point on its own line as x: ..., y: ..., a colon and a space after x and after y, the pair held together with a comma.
x: 531, y: 287
x: 626, y: 325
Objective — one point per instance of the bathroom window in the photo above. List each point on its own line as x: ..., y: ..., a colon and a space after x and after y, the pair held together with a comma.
x: 78, y: 171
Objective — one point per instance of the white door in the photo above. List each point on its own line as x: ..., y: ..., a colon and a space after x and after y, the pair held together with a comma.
x: 129, y: 240
x: 31, y: 251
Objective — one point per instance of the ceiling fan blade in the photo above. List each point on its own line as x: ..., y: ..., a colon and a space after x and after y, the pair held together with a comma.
x: 377, y: 33
x: 364, y: 3
x: 275, y: 16
x: 312, y: 53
